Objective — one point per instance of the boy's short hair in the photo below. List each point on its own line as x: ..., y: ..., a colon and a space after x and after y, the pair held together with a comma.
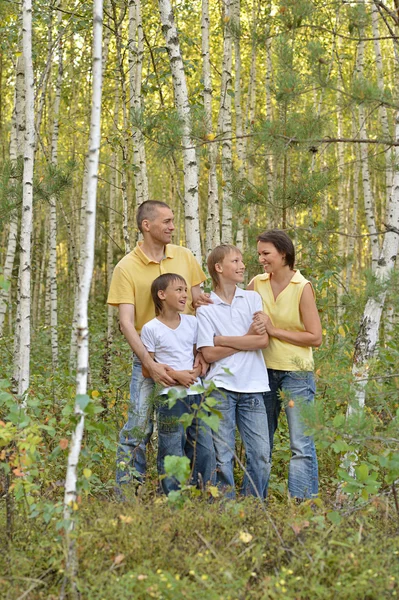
x: 160, y: 284
x: 216, y: 257
x: 282, y: 242
x: 146, y: 211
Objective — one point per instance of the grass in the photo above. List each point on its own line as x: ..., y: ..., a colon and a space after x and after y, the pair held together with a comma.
x: 146, y: 549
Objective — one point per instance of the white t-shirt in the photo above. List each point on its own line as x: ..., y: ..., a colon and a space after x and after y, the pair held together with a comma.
x: 247, y: 368
x: 172, y: 347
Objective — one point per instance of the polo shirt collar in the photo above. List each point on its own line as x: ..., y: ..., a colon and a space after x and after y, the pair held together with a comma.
x: 239, y: 293
x: 297, y: 278
x: 169, y: 253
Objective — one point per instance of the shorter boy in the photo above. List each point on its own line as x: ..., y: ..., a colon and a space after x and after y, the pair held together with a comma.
x: 229, y: 342
x: 170, y: 339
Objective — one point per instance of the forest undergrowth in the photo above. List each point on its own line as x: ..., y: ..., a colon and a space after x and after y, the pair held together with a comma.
x: 345, y: 544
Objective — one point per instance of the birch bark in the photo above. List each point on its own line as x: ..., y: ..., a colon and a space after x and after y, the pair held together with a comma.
x: 368, y: 334
x: 136, y: 52
x: 191, y: 206
x: 240, y: 143
x: 84, y: 287
x: 53, y: 204
x: 225, y: 127
x: 369, y: 205
x: 212, y: 221
x: 27, y: 197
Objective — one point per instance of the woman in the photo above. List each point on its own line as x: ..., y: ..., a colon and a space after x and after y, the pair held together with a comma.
x: 292, y: 321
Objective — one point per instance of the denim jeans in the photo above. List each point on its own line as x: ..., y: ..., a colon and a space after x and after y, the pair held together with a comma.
x: 300, y: 387
x: 136, y: 433
x: 247, y: 411
x: 173, y: 440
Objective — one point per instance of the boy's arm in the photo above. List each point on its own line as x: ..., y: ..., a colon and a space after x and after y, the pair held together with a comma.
x: 214, y: 353
x: 206, y: 336
x: 242, y: 342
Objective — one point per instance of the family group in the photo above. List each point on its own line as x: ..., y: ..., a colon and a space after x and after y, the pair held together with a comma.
x: 254, y: 345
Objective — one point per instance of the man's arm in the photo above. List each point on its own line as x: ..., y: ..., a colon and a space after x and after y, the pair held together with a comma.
x: 199, y: 297
x: 157, y: 372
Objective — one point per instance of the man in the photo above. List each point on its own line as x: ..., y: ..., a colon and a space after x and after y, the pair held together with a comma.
x: 130, y: 290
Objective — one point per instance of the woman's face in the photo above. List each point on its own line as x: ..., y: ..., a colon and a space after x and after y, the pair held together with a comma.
x: 270, y: 258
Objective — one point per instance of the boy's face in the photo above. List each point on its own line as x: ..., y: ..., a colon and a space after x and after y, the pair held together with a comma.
x: 232, y: 268
x: 175, y: 296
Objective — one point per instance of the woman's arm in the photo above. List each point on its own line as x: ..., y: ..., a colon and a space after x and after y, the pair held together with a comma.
x: 312, y: 336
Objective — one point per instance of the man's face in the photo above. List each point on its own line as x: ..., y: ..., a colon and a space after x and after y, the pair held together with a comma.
x: 160, y: 227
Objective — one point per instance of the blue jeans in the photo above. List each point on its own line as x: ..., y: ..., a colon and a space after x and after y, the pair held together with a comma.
x: 247, y: 411
x: 173, y: 440
x: 137, y: 432
x: 300, y: 387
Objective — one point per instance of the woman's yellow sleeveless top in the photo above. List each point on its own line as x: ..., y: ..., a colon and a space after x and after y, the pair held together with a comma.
x: 284, y: 314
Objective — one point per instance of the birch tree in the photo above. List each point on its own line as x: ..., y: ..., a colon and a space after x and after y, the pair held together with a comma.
x: 212, y: 219
x: 368, y: 334
x: 27, y: 207
x: 84, y: 289
x: 136, y: 51
x: 53, y: 205
x: 190, y: 168
x: 369, y: 205
x: 225, y: 127
x: 16, y: 150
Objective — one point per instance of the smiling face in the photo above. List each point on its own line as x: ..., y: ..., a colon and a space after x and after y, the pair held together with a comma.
x: 160, y: 226
x: 270, y: 258
x: 174, y: 296
x: 231, y: 268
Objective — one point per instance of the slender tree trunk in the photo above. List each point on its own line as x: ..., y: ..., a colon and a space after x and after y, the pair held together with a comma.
x: 84, y: 290
x: 367, y: 337
x: 136, y: 51
x: 212, y: 235
x: 269, y: 112
x: 225, y: 127
x: 240, y: 143
x: 26, y: 223
x: 125, y: 136
x: 191, y: 206
x: 369, y: 204
x: 53, y: 208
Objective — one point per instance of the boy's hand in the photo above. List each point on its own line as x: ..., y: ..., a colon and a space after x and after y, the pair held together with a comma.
x: 200, y: 362
x: 185, y: 378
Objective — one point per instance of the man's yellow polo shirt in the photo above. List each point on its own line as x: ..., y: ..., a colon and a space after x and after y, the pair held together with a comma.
x: 134, y: 274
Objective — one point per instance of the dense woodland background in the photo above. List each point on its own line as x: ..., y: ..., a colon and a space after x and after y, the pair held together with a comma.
x: 242, y: 115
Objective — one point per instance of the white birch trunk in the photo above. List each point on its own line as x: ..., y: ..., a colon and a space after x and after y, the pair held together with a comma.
x: 212, y: 221
x: 84, y: 288
x: 191, y: 206
x: 355, y: 205
x: 27, y: 198
x: 136, y: 52
x: 225, y: 127
x: 382, y: 108
x: 125, y: 137
x: 367, y: 338
x: 240, y: 143
x: 53, y: 208
x: 269, y: 114
x: 369, y: 205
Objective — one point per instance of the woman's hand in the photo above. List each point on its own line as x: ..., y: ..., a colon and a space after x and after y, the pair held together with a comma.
x: 263, y: 323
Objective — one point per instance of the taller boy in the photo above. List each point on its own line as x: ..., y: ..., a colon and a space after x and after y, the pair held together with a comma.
x: 130, y: 290
x: 229, y: 341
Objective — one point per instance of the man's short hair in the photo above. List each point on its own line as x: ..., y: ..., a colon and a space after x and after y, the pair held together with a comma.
x: 160, y: 284
x: 147, y: 209
x: 216, y: 257
x: 282, y: 242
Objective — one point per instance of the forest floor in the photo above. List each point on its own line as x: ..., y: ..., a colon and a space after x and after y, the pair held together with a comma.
x: 200, y: 547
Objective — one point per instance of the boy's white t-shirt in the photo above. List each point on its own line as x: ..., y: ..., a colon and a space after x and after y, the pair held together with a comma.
x: 247, y: 369
x: 172, y: 347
